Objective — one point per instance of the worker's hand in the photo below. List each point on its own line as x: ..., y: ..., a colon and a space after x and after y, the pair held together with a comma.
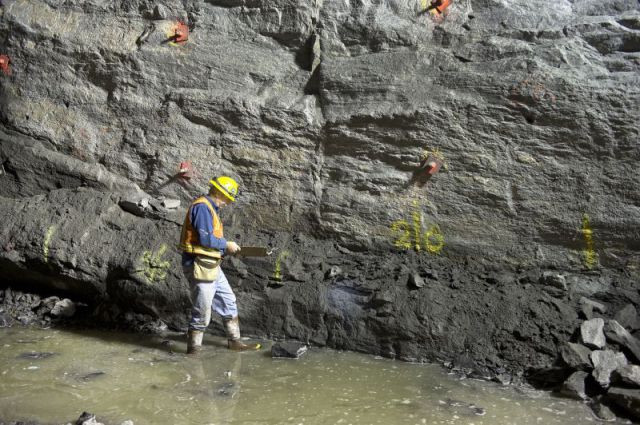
x: 232, y: 247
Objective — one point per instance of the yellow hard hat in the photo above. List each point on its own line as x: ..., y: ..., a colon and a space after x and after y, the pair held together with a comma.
x: 227, y: 186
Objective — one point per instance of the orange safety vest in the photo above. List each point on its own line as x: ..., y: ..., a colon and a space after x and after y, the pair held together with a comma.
x: 190, y: 241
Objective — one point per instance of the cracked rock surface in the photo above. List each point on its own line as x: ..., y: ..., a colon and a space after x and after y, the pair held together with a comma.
x: 322, y: 110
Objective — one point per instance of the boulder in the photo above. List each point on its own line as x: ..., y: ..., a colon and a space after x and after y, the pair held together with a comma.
x: 64, y: 308
x: 591, y: 333
x: 602, y: 412
x: 619, y: 335
x: 627, y: 399
x: 288, y: 350
x: 628, y: 375
x: 628, y: 318
x: 576, y: 356
x: 595, y: 306
x: 575, y: 386
x: 5, y: 320
x: 46, y: 305
x: 605, y: 362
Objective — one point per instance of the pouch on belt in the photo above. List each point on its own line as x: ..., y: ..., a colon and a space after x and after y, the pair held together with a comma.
x: 206, y: 269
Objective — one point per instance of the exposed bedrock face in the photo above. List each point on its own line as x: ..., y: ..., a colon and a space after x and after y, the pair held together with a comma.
x: 322, y: 111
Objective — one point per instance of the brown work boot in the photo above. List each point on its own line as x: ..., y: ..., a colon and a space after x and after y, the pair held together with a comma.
x: 194, y: 342
x: 232, y: 327
x: 237, y: 345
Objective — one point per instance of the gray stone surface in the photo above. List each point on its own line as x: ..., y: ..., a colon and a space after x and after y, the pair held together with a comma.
x: 574, y: 386
x: 5, y: 320
x: 576, y: 356
x: 603, y: 412
x: 628, y: 318
x: 628, y: 375
x: 627, y: 399
x: 604, y: 363
x: 322, y: 111
x: 619, y: 335
x: 591, y: 333
x: 64, y: 308
x: 595, y: 306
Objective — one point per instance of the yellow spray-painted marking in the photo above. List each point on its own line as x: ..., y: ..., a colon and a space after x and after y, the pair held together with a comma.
x: 432, y: 240
x: 404, y: 240
x: 154, y: 266
x: 277, y: 274
x: 424, y: 4
x: 417, y: 225
x: 590, y: 256
x: 47, y: 241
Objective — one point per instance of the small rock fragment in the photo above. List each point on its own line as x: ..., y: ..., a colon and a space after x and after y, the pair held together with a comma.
x: 628, y: 375
x: 291, y: 350
x: 87, y: 419
x: 628, y: 318
x: 332, y: 272
x: 91, y: 376
x: 575, y: 386
x: 415, y: 281
x: 171, y: 204
x: 576, y: 356
x: 554, y: 279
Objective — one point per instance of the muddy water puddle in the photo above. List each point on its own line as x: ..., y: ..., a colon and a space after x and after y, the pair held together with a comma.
x: 53, y: 375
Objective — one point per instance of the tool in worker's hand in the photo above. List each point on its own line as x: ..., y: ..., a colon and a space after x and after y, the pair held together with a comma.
x: 254, y: 251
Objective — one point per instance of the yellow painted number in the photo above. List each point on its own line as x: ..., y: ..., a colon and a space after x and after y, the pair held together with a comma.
x: 407, y: 236
x: 590, y: 256
x: 404, y: 240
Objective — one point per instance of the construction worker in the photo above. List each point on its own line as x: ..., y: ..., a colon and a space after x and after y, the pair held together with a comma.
x: 203, y: 246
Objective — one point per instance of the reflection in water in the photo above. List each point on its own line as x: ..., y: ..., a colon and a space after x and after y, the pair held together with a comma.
x: 53, y: 375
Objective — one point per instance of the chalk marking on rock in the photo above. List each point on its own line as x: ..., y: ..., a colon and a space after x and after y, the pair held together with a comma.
x: 154, y: 266
x: 277, y: 274
x: 47, y: 241
x: 590, y: 256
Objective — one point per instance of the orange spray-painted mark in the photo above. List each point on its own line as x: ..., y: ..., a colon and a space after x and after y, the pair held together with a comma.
x: 178, y: 34
x: 185, y: 170
x: 4, y: 64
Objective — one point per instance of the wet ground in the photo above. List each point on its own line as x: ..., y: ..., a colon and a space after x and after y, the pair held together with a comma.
x: 53, y: 375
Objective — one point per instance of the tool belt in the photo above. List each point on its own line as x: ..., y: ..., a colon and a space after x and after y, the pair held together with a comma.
x: 206, y: 269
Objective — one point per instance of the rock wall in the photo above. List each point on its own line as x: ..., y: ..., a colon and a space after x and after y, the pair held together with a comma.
x: 322, y: 111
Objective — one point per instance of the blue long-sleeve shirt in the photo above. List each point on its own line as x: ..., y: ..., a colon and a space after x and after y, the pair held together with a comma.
x: 202, y: 222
